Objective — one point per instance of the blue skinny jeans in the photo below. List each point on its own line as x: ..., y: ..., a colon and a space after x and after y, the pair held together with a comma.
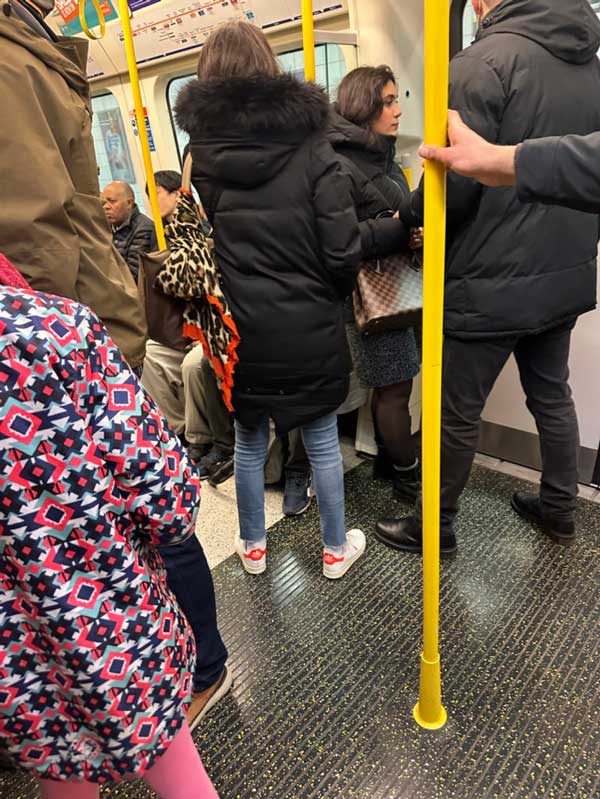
x: 323, y: 448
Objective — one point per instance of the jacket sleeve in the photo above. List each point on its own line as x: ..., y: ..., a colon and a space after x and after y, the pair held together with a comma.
x: 560, y: 171
x: 131, y: 438
x: 337, y: 225
x: 35, y: 228
x: 477, y: 93
x: 53, y: 227
x: 378, y: 237
x: 382, y: 237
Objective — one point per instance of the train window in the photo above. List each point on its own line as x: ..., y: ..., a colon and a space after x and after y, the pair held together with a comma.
x: 329, y: 62
x: 173, y: 88
x: 110, y: 142
x: 330, y: 67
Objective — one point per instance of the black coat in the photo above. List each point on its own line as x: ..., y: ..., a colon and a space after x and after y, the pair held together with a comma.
x: 561, y: 170
x: 378, y: 184
x: 286, y: 239
x: 513, y: 268
x: 134, y: 238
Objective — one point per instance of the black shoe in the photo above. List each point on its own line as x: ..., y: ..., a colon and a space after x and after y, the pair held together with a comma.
x: 220, y: 471
x: 383, y: 468
x: 296, y: 496
x: 407, y: 484
x: 405, y: 534
x: 197, y: 451
x: 561, y: 531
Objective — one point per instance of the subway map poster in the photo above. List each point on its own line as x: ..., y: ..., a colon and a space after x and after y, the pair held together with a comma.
x: 176, y: 27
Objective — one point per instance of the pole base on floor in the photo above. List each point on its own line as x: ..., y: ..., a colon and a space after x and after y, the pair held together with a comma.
x: 429, y: 712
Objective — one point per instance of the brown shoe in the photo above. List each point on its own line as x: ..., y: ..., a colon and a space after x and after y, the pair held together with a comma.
x: 202, y: 701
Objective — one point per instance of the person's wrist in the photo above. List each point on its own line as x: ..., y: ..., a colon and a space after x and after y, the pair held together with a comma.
x: 503, y: 167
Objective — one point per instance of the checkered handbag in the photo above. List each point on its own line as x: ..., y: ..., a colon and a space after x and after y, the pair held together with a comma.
x: 389, y: 294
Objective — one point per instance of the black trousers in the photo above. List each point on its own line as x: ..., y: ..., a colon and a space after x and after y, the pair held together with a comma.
x: 189, y: 578
x: 470, y: 369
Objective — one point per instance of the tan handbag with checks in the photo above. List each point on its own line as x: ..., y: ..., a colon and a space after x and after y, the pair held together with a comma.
x: 389, y: 294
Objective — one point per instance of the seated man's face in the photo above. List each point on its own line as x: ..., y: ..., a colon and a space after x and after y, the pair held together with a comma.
x: 117, y: 205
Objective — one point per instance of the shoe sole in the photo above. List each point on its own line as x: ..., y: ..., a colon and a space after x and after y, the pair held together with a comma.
x: 349, y: 563
x: 221, y: 691
x: 445, y: 554
x: 563, y: 540
x: 291, y: 514
x: 250, y: 567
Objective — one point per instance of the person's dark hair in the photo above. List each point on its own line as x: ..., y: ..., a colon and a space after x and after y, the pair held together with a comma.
x: 237, y: 50
x: 168, y: 179
x: 359, y: 97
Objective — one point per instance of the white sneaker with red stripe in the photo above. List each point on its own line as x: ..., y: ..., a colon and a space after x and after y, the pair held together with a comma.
x: 253, y: 557
x: 336, y: 564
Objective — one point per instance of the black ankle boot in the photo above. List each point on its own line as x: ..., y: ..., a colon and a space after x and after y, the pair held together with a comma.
x: 560, y: 530
x: 405, y: 535
x: 383, y: 468
x: 407, y: 484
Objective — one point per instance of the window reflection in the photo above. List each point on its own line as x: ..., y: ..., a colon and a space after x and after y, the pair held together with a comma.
x: 110, y: 142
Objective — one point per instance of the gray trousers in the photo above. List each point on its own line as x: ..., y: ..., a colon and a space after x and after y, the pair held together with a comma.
x: 161, y: 378
x: 470, y: 370
x: 184, y: 387
x: 207, y: 420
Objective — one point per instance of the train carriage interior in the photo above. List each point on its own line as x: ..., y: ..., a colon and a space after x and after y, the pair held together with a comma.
x: 326, y: 674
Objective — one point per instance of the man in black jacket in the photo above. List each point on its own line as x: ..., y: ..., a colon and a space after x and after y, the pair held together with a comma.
x: 557, y: 170
x: 518, y: 276
x: 133, y: 232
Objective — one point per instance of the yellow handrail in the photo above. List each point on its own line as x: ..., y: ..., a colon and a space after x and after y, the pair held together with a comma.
x: 141, y: 122
x: 429, y: 711
x: 308, y: 40
x: 83, y: 20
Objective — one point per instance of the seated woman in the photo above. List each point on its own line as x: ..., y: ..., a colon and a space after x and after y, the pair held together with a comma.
x: 363, y: 130
x: 182, y: 383
x: 97, y: 657
x: 287, y: 245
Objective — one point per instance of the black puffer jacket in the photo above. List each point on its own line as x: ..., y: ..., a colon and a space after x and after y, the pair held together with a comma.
x: 378, y: 184
x: 134, y: 238
x: 514, y: 268
x: 286, y: 239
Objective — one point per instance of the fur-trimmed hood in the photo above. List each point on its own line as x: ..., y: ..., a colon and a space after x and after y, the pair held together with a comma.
x: 261, y: 104
x: 243, y: 131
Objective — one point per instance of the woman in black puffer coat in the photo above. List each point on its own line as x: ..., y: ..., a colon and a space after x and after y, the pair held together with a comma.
x: 363, y: 129
x: 288, y: 248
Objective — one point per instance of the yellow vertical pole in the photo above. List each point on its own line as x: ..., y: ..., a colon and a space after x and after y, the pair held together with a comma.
x: 308, y: 40
x: 141, y: 122
x: 429, y: 711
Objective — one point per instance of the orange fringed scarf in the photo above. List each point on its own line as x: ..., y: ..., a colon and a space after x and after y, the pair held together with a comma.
x: 191, y: 273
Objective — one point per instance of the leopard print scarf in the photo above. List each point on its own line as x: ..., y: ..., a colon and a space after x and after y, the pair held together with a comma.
x: 191, y: 273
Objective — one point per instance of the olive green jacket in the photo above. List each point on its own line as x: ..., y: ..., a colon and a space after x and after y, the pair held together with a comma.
x: 52, y: 225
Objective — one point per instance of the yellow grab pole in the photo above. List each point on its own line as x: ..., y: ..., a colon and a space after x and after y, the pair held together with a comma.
x: 308, y: 40
x: 429, y: 711
x: 141, y: 122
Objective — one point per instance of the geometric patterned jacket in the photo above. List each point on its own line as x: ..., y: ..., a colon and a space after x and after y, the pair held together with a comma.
x: 95, y: 655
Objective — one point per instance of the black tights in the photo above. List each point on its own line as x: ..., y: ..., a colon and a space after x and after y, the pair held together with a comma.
x: 391, y: 417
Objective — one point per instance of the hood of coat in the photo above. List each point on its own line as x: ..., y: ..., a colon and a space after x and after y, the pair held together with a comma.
x: 569, y: 29
x: 343, y: 134
x: 67, y: 56
x: 244, y: 130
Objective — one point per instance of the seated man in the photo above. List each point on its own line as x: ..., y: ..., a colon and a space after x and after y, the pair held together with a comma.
x: 133, y: 232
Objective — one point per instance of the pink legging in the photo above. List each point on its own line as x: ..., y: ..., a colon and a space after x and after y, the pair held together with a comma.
x: 178, y: 774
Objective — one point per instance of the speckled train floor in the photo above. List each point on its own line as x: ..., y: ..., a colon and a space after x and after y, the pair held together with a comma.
x: 326, y: 674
